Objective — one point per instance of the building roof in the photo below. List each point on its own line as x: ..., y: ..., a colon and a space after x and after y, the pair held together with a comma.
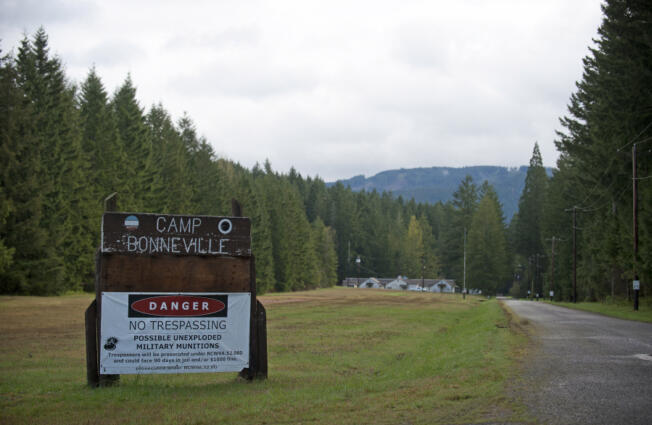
x: 384, y: 281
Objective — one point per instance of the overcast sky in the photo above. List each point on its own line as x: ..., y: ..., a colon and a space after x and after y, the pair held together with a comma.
x: 335, y: 88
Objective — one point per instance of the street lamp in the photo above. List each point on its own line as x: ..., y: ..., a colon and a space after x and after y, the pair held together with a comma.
x: 357, y: 262
x: 423, y: 273
x: 464, y: 290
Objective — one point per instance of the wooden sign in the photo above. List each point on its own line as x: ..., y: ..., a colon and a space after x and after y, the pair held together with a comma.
x: 159, y: 234
x: 174, y: 294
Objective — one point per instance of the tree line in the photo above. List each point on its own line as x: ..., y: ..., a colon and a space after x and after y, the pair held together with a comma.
x: 609, y: 115
x: 65, y: 147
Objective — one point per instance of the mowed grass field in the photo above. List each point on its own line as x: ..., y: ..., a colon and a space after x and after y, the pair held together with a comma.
x: 336, y: 356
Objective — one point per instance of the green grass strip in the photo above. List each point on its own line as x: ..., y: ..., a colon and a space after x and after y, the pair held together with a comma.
x: 336, y: 356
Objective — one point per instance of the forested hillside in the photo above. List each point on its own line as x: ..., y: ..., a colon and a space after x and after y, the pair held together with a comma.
x: 437, y: 184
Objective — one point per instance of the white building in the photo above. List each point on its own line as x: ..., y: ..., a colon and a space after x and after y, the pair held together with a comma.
x: 397, y: 283
x: 443, y: 286
x: 371, y: 282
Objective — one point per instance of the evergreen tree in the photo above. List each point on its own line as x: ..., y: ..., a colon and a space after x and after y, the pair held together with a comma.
x: 326, y: 257
x: 171, y: 190
x: 66, y: 208
x: 464, y: 204
x: 139, y: 173
x: 25, y: 257
x: 528, y: 236
x: 412, y: 254
x: 100, y: 139
x: 610, y: 111
x: 343, y: 218
x: 488, y: 260
x: 431, y: 262
x: 208, y: 182
x: 262, y: 238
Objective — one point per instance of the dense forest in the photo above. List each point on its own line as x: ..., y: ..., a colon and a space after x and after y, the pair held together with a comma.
x: 65, y: 147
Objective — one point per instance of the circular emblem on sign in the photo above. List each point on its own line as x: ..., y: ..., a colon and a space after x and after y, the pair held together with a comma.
x: 225, y: 226
x: 131, y: 222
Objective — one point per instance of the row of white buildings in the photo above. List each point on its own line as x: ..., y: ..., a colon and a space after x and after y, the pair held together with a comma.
x: 403, y: 283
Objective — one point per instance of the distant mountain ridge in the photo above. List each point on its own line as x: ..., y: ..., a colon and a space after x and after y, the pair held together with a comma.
x: 434, y: 184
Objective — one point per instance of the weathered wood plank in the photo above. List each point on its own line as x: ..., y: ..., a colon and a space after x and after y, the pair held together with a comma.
x: 127, y: 273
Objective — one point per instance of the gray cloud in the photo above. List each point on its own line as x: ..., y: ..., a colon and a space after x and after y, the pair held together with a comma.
x: 230, y: 37
x: 109, y: 53
x: 248, y: 81
x: 28, y: 14
x: 337, y: 88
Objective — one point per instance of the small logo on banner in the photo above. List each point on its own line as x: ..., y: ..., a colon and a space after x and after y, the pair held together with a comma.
x: 131, y: 222
x: 152, y: 305
x: 111, y: 343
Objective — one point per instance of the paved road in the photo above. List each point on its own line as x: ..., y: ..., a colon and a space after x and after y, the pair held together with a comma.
x: 587, y: 369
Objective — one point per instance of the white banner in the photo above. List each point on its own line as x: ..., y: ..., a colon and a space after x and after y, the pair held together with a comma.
x: 171, y: 332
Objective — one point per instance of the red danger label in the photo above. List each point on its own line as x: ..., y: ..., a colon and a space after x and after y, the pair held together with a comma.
x: 177, y: 305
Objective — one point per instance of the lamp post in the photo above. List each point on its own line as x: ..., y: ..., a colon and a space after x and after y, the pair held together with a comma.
x: 357, y: 262
x: 517, y: 278
x: 423, y: 273
x: 464, y: 280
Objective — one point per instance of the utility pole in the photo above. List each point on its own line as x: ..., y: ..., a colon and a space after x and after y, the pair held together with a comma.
x: 423, y: 272
x: 537, y: 276
x: 636, y: 282
x: 552, y: 270
x: 348, y: 257
x: 574, y: 256
x: 574, y: 209
x: 533, y: 275
x: 347, y: 271
x: 357, y: 261
x: 464, y: 280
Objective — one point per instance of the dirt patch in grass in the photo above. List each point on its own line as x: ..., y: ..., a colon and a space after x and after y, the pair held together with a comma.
x: 278, y: 300
x: 517, y: 324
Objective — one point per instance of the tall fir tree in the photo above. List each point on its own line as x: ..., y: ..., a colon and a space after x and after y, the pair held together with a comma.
x: 100, y: 139
x: 139, y: 173
x: 528, y: 227
x: 26, y: 255
x: 464, y: 204
x: 325, y: 253
x: 66, y: 211
x: 611, y: 111
x: 488, y: 259
x: 171, y: 189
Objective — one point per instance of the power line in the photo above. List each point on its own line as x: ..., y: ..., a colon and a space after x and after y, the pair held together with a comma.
x: 637, y: 136
x: 613, y: 160
x: 595, y: 186
x: 594, y: 208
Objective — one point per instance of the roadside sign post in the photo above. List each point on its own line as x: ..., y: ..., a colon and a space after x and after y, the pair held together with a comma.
x: 637, y: 287
x: 174, y: 294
